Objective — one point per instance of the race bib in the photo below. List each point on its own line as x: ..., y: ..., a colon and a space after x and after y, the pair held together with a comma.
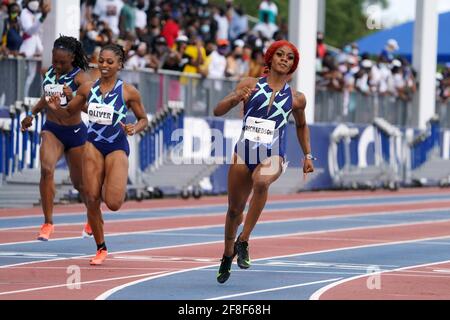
x: 100, y: 113
x: 259, y: 130
x: 55, y: 90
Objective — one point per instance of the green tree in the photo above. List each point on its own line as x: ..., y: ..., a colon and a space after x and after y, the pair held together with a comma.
x: 345, y: 19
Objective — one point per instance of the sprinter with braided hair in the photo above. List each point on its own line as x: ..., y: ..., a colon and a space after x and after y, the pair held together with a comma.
x: 60, y: 135
x: 105, y: 159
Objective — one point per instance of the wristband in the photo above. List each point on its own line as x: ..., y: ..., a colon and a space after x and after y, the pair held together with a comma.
x: 30, y: 114
x: 309, y: 156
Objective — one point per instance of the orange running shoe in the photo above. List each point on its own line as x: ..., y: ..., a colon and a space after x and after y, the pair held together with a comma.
x: 87, y: 231
x: 99, y: 257
x: 46, y: 230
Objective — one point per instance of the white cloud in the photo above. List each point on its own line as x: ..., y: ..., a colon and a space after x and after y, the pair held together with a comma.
x: 400, y: 11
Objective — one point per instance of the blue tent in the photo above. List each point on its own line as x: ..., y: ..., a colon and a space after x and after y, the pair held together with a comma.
x: 404, y: 34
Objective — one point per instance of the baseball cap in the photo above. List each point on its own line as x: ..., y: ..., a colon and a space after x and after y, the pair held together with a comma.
x: 393, y: 43
x: 222, y: 42
x: 182, y: 38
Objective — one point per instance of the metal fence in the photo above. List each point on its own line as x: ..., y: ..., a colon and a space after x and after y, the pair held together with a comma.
x: 199, y: 95
x: 20, y: 78
x: 355, y: 107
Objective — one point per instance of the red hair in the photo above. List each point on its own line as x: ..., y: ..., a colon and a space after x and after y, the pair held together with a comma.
x: 274, y: 47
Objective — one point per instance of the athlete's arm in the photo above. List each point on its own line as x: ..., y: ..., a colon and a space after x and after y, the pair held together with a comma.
x: 134, y: 103
x: 28, y: 120
x: 242, y: 92
x: 77, y: 104
x: 298, y: 111
x: 80, y: 78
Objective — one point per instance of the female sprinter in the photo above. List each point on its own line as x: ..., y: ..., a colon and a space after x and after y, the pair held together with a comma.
x: 61, y: 135
x: 259, y: 154
x: 105, y: 159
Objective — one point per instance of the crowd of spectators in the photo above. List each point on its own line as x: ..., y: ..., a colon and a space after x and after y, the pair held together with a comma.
x: 195, y: 36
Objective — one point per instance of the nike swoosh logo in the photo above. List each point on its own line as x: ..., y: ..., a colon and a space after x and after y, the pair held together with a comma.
x: 258, y: 122
x: 282, y: 95
x: 112, y: 95
x: 76, y: 131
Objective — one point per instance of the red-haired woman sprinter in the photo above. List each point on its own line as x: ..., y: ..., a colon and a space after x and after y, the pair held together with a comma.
x: 259, y: 155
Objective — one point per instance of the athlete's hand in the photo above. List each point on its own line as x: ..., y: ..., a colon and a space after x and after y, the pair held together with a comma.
x: 54, y: 103
x: 129, y: 128
x: 26, y: 123
x: 244, y: 93
x: 308, y: 167
x: 67, y: 92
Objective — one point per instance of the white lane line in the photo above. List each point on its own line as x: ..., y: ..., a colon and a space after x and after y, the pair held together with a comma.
x: 316, y: 295
x: 275, y: 289
x: 302, y: 201
x: 354, y: 215
x: 110, y: 292
x: 75, y: 284
x: 297, y: 234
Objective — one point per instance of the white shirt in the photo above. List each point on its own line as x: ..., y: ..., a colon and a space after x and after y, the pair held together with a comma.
x: 109, y: 12
x: 31, y: 25
x: 136, y: 62
x: 267, y: 29
x: 217, y: 66
x: 222, y: 26
x: 141, y: 19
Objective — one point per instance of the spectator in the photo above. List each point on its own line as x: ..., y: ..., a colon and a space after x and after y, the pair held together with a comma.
x: 86, y: 10
x: 218, y: 64
x: 265, y: 29
x: 127, y: 20
x: 109, y: 11
x: 257, y: 64
x: 170, y: 30
x: 141, y: 16
x: 321, y: 47
x: 159, y: 53
x: 196, y: 53
x: 270, y: 8
x: 222, y: 23
x: 363, y: 77
x: 31, y: 21
x: 178, y: 59
x: 12, y: 33
x: 138, y: 60
x: 210, y: 47
x: 236, y: 66
x: 398, y: 84
x: 381, y: 75
x: 389, y: 49
x: 446, y: 82
x: 239, y: 24
x: 3, y: 15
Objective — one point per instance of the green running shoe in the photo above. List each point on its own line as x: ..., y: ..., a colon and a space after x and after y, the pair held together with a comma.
x: 224, y: 269
x: 241, y: 249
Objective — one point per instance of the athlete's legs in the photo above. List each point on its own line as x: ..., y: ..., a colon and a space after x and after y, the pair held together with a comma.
x: 116, y: 177
x: 74, y: 161
x: 93, y: 176
x: 263, y: 176
x: 239, y: 188
x: 51, y: 150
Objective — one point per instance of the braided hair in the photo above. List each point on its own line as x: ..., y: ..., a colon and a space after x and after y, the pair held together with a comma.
x: 76, y: 48
x: 117, y: 50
